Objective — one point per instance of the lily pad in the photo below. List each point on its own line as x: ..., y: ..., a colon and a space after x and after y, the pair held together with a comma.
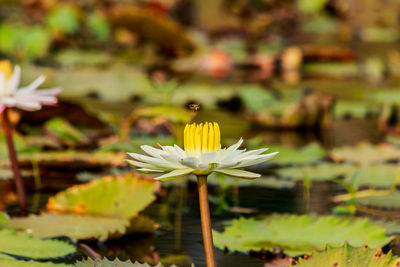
x: 115, y: 263
x: 65, y: 131
x: 73, y: 159
x: 16, y: 263
x: 321, y: 172
x: 25, y: 245
x: 366, y: 153
x: 118, y: 196
x: 298, y: 234
x: 389, y: 201
x: 71, y: 225
x: 355, y: 109
x: 348, y: 256
x: 307, y: 154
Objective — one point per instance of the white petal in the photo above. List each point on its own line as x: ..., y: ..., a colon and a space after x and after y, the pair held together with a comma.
x: 191, y: 162
x: 180, y: 151
x: 174, y: 159
x: 173, y: 174
x: 149, y: 170
x: 224, y: 153
x: 239, y: 173
x: 155, y: 152
x: 13, y: 82
x: 141, y: 164
x: 3, y: 83
x: 256, y: 159
x: 207, y: 158
x: 35, y: 84
x: 252, y: 152
x: 161, y: 163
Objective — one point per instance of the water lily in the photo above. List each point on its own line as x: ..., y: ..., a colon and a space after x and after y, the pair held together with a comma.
x: 202, y: 155
x: 27, y: 98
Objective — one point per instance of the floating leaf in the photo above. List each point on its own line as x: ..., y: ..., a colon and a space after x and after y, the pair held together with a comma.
x: 62, y: 129
x: 109, y: 196
x: 298, y: 234
x: 321, y: 172
x: 98, y: 25
x: 73, y: 226
x: 389, y: 201
x: 21, y: 263
x: 72, y: 159
x: 307, y: 154
x: 25, y: 245
x: 256, y: 98
x: 348, y: 256
x: 366, y: 153
x: 115, y: 263
x: 355, y: 109
x: 226, y: 181
x: 142, y: 224
x: 63, y: 19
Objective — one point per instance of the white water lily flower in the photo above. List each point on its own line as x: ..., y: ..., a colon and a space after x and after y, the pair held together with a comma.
x: 27, y: 98
x: 202, y: 155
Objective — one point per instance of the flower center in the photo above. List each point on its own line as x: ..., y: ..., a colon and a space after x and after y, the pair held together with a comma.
x: 201, y: 138
x: 6, y: 69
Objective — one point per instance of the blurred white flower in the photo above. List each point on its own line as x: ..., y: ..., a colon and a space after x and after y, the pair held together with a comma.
x: 202, y: 155
x: 27, y: 98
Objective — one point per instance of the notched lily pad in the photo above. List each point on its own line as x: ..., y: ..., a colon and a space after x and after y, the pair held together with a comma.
x: 115, y: 263
x: 348, y: 256
x: 16, y: 263
x: 25, y: 245
x: 117, y: 196
x: 298, y: 235
x: 71, y: 225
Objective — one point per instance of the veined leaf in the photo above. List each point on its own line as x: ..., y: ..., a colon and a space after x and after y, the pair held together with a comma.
x: 348, y: 256
x: 298, y: 234
x: 25, y: 245
x: 119, y: 196
x: 71, y: 225
x: 17, y: 263
x: 114, y: 263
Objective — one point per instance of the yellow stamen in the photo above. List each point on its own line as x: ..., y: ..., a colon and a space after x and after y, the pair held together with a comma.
x: 6, y: 68
x: 201, y: 138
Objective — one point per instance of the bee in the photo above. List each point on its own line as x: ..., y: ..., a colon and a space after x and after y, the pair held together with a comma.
x: 194, y: 107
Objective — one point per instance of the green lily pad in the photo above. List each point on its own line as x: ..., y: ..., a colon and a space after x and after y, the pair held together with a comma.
x: 355, y: 109
x: 71, y: 225
x: 115, y: 263
x: 389, y: 201
x: 264, y: 181
x: 117, y: 196
x: 321, y: 172
x: 25, y: 245
x: 366, y: 153
x: 73, y: 159
x: 65, y: 131
x: 16, y: 263
x: 298, y: 234
x: 307, y: 154
x: 382, y: 175
x: 348, y: 256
